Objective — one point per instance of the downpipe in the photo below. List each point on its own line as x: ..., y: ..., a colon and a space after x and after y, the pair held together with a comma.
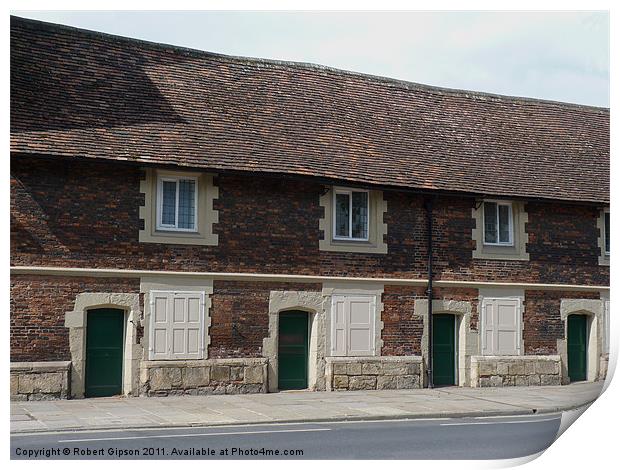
x: 428, y: 205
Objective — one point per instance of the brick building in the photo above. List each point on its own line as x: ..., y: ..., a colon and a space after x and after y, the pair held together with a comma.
x: 186, y: 222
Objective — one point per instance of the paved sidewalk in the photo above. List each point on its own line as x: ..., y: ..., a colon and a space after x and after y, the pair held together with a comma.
x: 126, y: 413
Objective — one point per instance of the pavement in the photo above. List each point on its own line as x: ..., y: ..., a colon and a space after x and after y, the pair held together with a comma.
x: 294, y: 407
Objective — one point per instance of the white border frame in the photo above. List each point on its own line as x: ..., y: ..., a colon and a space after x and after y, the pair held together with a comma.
x: 350, y: 191
x: 152, y: 324
x: 169, y: 177
x: 498, y: 203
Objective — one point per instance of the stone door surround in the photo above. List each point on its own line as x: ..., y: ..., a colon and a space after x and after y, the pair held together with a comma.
x: 76, y: 322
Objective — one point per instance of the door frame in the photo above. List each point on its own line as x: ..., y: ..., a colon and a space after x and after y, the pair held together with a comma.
x: 467, y: 342
x: 76, y: 320
x: 305, y: 301
x: 593, y: 309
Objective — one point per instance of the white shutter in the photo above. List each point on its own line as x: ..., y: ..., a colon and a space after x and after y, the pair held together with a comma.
x: 501, y: 327
x: 352, y: 324
x: 339, y: 326
x: 186, y: 338
x: 508, y: 321
x: 177, y: 325
x: 360, y: 319
x: 160, y: 325
x: 489, y: 345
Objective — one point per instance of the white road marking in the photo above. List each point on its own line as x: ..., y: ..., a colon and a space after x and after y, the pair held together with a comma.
x: 501, y: 422
x: 165, y: 436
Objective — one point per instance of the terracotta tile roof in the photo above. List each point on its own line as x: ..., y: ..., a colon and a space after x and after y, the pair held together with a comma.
x: 83, y: 94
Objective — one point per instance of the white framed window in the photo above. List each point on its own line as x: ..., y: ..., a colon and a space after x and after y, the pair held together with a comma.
x: 607, y: 228
x: 501, y: 326
x: 498, y: 223
x: 177, y: 325
x: 351, y: 214
x: 177, y: 203
x: 353, y: 320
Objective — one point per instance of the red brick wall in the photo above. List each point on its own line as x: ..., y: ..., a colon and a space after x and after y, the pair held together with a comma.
x: 463, y: 295
x: 542, y: 326
x: 402, y: 330
x: 240, y: 316
x: 38, y: 307
x: 86, y: 215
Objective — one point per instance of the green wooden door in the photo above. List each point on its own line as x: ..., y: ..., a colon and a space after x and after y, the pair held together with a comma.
x: 293, y: 351
x: 577, y: 342
x: 444, y: 351
x: 104, y: 352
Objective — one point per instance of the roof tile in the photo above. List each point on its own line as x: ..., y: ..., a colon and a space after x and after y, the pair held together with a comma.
x: 83, y: 94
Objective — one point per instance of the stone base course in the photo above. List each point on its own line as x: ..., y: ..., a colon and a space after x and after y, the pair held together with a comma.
x: 40, y: 380
x: 203, y: 377
x: 503, y: 371
x: 374, y: 373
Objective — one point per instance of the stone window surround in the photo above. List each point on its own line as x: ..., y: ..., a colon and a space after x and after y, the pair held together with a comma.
x: 75, y: 320
x: 174, y: 283
x: 377, y: 229
x: 518, y: 250
x: 594, y: 309
x: 207, y: 192
x: 467, y: 339
x: 353, y: 288
x: 603, y: 257
x: 307, y: 301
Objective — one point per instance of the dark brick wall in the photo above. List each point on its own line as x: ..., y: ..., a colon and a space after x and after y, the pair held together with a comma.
x: 38, y: 307
x: 240, y: 316
x: 542, y: 326
x: 463, y: 295
x: 402, y: 330
x: 86, y: 215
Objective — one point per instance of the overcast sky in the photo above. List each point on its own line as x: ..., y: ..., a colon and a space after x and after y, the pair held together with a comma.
x: 556, y: 56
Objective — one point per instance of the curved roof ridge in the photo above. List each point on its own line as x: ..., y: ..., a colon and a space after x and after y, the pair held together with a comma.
x: 405, y: 84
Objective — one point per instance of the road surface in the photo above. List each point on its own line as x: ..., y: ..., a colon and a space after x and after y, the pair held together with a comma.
x: 463, y: 438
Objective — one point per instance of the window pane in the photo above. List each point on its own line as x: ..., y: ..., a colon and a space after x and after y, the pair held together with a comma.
x: 169, y: 198
x: 490, y: 222
x: 607, y: 231
x: 187, y: 202
x: 342, y: 215
x: 360, y: 215
x: 504, y: 224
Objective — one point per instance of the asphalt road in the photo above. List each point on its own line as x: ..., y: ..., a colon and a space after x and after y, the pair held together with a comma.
x: 466, y: 438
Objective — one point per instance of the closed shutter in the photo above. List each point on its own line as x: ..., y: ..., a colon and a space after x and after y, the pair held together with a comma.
x: 353, y: 319
x: 489, y: 347
x: 186, y: 326
x: 501, y: 327
x: 160, y: 323
x: 360, y: 322
x: 177, y: 325
x: 339, y: 326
